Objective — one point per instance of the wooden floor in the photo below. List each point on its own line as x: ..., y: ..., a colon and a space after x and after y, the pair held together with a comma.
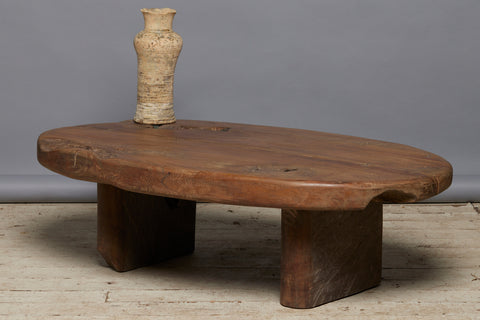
x: 49, y: 268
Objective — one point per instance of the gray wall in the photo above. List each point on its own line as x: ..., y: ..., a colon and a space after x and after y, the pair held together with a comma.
x: 404, y: 71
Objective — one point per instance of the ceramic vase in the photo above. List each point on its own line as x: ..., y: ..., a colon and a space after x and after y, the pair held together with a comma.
x: 157, y: 48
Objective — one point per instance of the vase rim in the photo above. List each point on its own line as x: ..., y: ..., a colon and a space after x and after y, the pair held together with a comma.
x: 158, y: 10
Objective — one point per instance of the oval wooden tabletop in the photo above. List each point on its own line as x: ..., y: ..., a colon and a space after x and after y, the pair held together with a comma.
x: 245, y: 164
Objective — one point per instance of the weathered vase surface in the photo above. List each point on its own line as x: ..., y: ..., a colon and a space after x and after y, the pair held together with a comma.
x: 157, y: 48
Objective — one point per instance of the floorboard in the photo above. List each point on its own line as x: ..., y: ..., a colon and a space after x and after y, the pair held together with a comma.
x: 49, y: 267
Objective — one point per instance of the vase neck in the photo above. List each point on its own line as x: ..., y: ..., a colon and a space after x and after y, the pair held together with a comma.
x: 158, y: 19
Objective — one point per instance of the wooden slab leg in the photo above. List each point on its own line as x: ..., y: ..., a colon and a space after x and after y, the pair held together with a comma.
x: 328, y: 255
x: 136, y: 230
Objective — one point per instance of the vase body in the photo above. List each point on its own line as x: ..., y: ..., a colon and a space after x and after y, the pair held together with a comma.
x: 157, y: 48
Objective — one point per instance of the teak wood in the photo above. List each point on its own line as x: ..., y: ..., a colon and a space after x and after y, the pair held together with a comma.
x: 135, y: 229
x: 327, y: 255
x: 329, y: 186
x: 244, y: 164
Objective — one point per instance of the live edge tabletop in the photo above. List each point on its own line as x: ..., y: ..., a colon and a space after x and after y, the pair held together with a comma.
x: 330, y: 188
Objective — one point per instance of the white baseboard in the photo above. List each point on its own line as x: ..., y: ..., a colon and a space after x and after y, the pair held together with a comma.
x: 56, y: 188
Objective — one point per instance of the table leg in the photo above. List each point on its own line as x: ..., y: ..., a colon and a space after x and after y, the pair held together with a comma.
x: 136, y: 230
x: 328, y: 255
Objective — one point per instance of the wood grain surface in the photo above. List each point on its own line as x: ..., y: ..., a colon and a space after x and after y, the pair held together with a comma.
x: 328, y: 255
x: 245, y: 164
x: 135, y: 230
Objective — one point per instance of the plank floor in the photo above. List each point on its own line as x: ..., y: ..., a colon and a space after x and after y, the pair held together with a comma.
x: 49, y: 268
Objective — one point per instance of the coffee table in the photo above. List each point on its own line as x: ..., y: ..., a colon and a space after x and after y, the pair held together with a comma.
x: 330, y: 188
